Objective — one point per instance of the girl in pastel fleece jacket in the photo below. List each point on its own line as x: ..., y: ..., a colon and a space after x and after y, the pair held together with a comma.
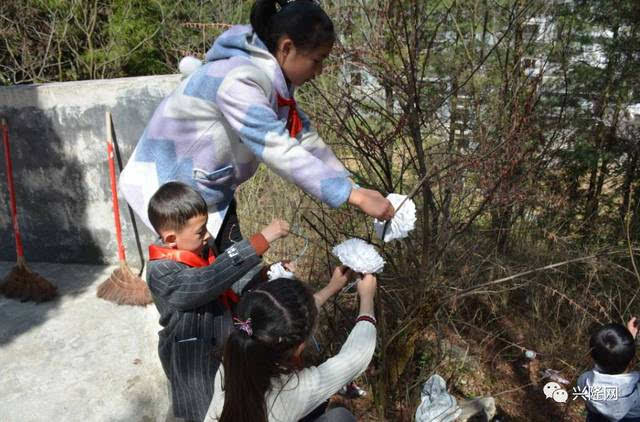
x: 237, y: 110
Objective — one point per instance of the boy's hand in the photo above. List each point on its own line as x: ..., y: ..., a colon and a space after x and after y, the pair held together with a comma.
x: 276, y: 230
x: 340, y: 277
x: 632, y: 326
x: 367, y: 287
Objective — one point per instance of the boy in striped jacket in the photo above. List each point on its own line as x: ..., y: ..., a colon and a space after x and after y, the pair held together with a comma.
x: 194, y: 289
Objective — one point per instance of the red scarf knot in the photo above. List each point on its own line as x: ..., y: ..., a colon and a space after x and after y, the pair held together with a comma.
x: 294, y: 124
x: 228, y: 297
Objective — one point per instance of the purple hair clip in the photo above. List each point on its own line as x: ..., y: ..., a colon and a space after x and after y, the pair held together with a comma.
x: 243, y: 325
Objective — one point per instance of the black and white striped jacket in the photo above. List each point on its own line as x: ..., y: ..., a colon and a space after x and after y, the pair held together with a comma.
x: 195, y: 322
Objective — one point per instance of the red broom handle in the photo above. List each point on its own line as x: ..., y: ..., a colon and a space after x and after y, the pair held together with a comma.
x: 114, y: 191
x: 12, y: 193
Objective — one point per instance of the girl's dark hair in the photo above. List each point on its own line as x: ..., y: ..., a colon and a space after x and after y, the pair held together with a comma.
x: 303, y: 21
x: 173, y: 204
x: 612, y: 348
x: 283, y: 314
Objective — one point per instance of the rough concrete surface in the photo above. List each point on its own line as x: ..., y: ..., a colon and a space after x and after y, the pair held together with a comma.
x: 79, y: 358
x: 58, y: 140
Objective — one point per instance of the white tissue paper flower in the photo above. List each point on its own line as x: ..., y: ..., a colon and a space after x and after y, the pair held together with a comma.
x: 278, y: 270
x: 359, y: 255
x: 402, y: 222
x: 188, y: 65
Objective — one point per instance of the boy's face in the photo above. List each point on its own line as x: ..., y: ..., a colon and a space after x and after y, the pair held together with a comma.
x: 192, y: 237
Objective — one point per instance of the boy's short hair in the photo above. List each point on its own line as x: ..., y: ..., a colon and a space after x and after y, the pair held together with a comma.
x: 612, y: 348
x: 173, y: 204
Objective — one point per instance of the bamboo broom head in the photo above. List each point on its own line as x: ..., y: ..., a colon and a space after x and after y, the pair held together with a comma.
x: 23, y: 284
x: 123, y: 287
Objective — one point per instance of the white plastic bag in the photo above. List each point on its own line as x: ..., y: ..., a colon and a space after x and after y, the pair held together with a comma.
x: 437, y: 404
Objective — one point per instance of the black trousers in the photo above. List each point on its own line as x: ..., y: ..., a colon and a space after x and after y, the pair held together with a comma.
x: 336, y: 414
x: 229, y: 230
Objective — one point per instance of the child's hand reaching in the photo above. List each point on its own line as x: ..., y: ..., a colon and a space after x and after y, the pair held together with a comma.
x: 367, y: 290
x: 632, y: 326
x: 280, y: 269
x: 367, y: 287
x: 372, y: 202
x: 289, y: 266
x: 275, y: 230
x: 340, y: 276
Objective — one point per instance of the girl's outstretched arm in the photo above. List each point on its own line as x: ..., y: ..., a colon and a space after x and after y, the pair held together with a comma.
x: 341, y: 275
x: 317, y: 383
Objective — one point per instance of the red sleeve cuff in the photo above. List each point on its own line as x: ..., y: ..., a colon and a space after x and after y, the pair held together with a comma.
x: 259, y: 243
x: 366, y: 318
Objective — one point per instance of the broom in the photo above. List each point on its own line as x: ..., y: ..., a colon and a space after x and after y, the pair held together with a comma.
x: 123, y: 286
x: 21, y: 283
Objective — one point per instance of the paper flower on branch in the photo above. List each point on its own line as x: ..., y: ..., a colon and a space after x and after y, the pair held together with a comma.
x: 278, y: 270
x: 402, y: 222
x: 359, y: 255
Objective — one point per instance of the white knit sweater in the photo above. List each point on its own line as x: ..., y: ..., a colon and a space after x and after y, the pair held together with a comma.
x: 293, y: 397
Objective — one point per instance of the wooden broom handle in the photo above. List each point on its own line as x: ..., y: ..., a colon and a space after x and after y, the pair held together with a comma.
x: 114, y: 188
x: 12, y: 193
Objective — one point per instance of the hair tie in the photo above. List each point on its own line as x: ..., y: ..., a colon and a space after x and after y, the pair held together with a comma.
x: 243, y: 325
x: 282, y: 4
x: 279, y: 4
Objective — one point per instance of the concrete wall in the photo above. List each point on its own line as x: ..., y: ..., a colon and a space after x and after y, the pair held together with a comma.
x: 58, y: 147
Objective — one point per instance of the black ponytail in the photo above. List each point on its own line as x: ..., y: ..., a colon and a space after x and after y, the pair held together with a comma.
x: 282, y: 315
x: 303, y: 21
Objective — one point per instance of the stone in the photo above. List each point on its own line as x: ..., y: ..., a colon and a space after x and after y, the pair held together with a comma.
x: 485, y: 407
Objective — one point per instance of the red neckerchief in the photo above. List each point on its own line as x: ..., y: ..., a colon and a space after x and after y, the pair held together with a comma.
x: 294, y: 124
x: 228, y: 297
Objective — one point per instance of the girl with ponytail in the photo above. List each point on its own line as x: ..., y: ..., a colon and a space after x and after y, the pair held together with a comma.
x: 237, y: 110
x: 262, y: 378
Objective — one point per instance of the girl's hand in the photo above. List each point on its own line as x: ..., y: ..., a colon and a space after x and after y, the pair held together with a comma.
x: 341, y: 275
x: 632, y: 326
x: 339, y: 278
x: 372, y: 202
x: 367, y: 288
x: 276, y: 230
x: 289, y: 266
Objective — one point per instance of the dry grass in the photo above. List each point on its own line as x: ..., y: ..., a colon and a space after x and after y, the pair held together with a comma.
x: 267, y: 196
x: 475, y: 342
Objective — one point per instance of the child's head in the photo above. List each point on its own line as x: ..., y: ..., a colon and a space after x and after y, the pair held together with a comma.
x: 612, y: 348
x: 300, y: 35
x: 273, y: 323
x: 178, y: 213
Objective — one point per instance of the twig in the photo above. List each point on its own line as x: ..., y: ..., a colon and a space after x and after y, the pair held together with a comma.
x: 468, y: 291
x: 629, y: 245
x: 513, y: 389
x: 572, y: 302
x: 212, y: 25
